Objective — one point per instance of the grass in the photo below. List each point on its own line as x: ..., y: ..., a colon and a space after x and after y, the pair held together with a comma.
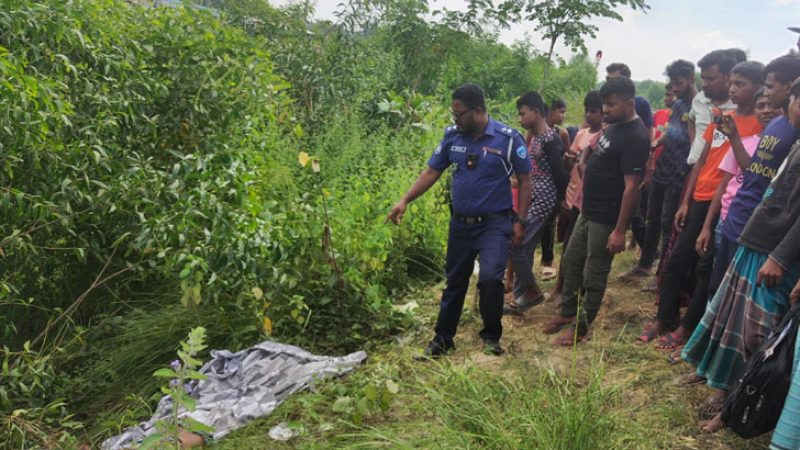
x: 609, y: 393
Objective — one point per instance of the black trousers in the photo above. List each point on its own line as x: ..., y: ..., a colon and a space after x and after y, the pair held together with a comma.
x: 639, y: 219
x: 683, y: 260
x: 662, y: 203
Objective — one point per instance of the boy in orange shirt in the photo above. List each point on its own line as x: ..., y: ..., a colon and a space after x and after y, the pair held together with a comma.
x: 746, y: 78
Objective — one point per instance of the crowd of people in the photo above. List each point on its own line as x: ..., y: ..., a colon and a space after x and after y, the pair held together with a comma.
x: 708, y: 187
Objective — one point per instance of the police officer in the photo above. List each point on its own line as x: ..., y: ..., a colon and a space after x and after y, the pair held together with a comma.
x: 486, y: 153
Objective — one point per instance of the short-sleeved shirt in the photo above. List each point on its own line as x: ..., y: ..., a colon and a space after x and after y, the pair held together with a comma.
x: 772, y: 149
x: 486, y: 188
x: 585, y: 140
x: 730, y: 165
x: 660, y: 119
x: 671, y: 167
x: 644, y: 111
x: 622, y: 150
x: 710, y: 175
x: 701, y: 115
x: 544, y: 191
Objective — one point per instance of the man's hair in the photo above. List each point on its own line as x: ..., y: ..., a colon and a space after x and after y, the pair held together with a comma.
x: 557, y: 104
x: 680, y: 69
x: 622, y: 68
x: 752, y: 70
x: 533, y: 101
x: 621, y: 87
x: 784, y: 68
x: 795, y: 89
x: 737, y: 54
x: 760, y: 92
x: 593, y: 100
x: 471, y: 95
x: 723, y: 59
x: 668, y: 89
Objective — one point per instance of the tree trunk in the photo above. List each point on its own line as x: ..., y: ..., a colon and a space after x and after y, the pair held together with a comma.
x: 549, y: 63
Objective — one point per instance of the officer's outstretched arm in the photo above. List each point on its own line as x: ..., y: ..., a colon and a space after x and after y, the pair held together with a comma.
x: 425, y: 180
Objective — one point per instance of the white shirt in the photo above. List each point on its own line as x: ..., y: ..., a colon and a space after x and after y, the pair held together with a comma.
x: 701, y: 115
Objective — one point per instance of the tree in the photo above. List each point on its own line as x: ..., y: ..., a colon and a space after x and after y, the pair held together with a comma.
x: 569, y: 20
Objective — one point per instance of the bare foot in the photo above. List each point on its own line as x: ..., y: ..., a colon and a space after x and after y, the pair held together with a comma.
x: 568, y: 338
x: 556, y: 323
x: 713, y: 425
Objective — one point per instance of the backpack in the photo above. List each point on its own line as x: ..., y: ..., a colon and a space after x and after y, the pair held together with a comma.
x: 754, y: 405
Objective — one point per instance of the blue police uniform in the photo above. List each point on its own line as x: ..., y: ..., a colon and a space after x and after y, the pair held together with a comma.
x: 481, y: 222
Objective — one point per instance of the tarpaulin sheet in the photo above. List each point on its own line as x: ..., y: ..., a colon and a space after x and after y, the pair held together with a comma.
x: 243, y: 386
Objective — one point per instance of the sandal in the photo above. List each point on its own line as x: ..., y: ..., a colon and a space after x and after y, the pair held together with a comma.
x: 674, y: 356
x: 557, y: 323
x: 548, y: 273
x: 691, y: 379
x: 670, y: 341
x: 521, y: 304
x: 647, y: 335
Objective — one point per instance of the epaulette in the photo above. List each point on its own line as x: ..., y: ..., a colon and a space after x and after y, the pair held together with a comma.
x: 450, y: 130
x: 508, y: 131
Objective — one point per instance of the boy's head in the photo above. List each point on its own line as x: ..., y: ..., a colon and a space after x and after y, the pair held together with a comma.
x: 593, y: 109
x: 794, y: 104
x: 737, y: 54
x: 763, y: 109
x: 531, y: 109
x: 557, y: 112
x: 467, y: 104
x: 715, y: 72
x: 681, y: 78
x: 746, y: 78
x: 779, y: 75
x: 616, y: 70
x: 669, y: 96
x: 618, y: 99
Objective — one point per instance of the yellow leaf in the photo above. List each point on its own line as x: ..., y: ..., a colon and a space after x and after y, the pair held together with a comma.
x: 267, y: 325
x: 303, y: 158
x: 298, y: 131
x: 257, y: 293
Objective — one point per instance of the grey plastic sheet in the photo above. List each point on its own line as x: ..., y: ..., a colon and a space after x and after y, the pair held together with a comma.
x: 243, y: 386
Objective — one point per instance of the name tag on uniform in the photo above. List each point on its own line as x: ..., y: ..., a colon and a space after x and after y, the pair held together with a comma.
x: 457, y: 149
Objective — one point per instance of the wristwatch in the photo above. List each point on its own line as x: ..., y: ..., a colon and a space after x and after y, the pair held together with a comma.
x: 523, y: 222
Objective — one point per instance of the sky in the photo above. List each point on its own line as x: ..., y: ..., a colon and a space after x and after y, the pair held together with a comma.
x: 670, y: 30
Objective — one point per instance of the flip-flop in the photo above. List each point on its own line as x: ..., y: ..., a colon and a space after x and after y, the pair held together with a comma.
x: 520, y: 305
x: 691, y: 380
x: 674, y: 357
x: 548, y: 273
x: 647, y: 336
x: 669, y: 341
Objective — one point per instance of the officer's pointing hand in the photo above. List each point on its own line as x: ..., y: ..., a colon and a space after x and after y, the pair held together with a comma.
x: 396, y: 214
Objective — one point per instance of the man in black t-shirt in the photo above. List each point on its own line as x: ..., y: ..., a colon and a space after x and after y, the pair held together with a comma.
x: 611, y: 178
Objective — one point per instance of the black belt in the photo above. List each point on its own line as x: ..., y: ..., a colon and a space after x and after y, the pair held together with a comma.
x: 472, y: 220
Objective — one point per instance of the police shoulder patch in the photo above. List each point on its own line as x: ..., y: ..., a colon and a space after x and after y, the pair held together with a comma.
x: 522, y: 152
x: 450, y: 129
